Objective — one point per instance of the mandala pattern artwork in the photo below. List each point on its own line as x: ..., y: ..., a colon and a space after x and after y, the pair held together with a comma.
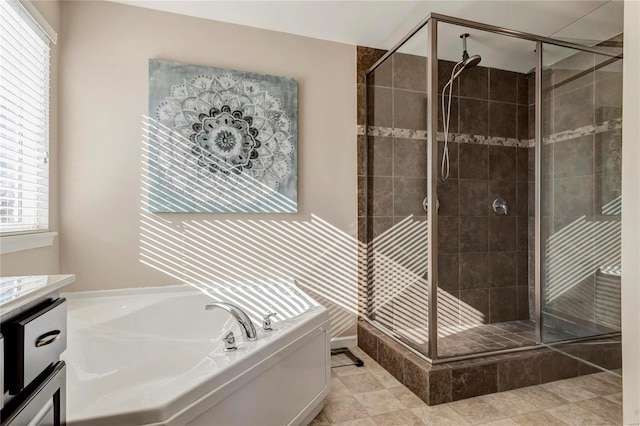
x: 225, y: 142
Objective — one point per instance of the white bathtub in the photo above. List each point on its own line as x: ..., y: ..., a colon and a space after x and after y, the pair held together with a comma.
x: 155, y: 356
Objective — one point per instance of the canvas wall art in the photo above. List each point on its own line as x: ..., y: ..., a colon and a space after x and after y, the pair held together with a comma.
x: 221, y: 140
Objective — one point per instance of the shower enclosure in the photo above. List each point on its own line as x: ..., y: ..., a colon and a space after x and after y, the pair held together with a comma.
x: 517, y: 245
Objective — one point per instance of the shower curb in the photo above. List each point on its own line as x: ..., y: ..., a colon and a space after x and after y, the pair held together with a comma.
x: 453, y: 381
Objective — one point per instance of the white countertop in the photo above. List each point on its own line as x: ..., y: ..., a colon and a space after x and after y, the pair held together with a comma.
x: 16, y: 292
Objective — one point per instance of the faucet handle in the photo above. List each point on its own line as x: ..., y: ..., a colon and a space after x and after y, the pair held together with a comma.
x: 229, y: 342
x: 266, y: 322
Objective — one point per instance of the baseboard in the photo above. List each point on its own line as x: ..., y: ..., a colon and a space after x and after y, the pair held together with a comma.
x: 344, y: 342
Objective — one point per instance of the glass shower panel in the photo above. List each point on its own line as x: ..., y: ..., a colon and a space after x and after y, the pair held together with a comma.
x: 397, y: 186
x: 581, y: 201
x: 483, y: 254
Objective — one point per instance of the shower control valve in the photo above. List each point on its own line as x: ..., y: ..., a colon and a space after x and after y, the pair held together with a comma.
x: 500, y: 206
x: 266, y: 322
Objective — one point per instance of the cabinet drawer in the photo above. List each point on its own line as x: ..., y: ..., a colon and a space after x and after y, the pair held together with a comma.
x: 36, y: 341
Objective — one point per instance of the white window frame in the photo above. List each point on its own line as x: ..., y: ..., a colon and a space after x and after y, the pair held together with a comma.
x: 26, y: 239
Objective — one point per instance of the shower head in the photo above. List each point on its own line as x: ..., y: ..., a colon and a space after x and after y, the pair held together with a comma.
x: 467, y: 61
x: 471, y: 62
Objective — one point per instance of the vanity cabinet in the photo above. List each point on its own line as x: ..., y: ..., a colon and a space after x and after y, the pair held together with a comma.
x: 32, y: 376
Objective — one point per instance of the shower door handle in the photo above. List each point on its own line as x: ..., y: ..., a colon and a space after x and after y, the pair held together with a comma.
x: 425, y: 204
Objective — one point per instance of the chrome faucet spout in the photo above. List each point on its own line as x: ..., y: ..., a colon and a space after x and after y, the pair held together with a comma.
x: 239, y: 315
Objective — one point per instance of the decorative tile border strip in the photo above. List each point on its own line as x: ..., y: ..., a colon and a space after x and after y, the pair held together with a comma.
x: 454, y: 137
x: 590, y: 129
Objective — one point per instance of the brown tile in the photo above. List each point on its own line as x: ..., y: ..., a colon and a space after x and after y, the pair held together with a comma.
x: 523, y: 123
x: 367, y: 341
x: 522, y: 164
x: 608, y: 152
x: 503, y: 119
x: 379, y: 102
x: 444, y: 74
x: 531, y: 122
x: 556, y: 366
x: 518, y: 372
x: 573, y: 197
x: 390, y: 357
x: 416, y: 377
x: 453, y: 157
x: 473, y: 234
x: 448, y: 271
x: 409, y: 72
x: 502, y: 233
x: 409, y: 157
x: 474, y: 270
x: 522, y: 89
x: 453, y: 114
x: 380, y: 154
x: 380, y: 190
x: 608, y: 193
x: 608, y: 99
x: 502, y: 189
x: 473, y: 197
x: 503, y: 304
x: 365, y: 58
x: 361, y: 91
x: 448, y: 197
x: 575, y: 157
x: 522, y: 229
x: 467, y: 382
x: 448, y: 234
x: 474, y: 83
x: 502, y: 85
x: 503, y: 269
x: 573, y: 109
x: 408, y: 194
x: 522, y: 199
x: 523, y: 269
x: 476, y: 306
x: 439, y: 385
x: 473, y: 161
x: 473, y: 116
x: 413, y: 113
x: 502, y: 163
x: 573, y: 72
x: 378, y: 225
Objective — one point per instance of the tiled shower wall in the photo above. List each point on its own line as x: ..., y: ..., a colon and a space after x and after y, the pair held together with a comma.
x: 483, y: 258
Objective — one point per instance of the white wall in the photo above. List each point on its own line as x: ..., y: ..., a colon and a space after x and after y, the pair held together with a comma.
x: 106, y: 236
x: 631, y: 215
x: 44, y: 260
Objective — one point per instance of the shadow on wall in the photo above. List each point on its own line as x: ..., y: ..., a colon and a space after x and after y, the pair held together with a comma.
x: 323, y: 259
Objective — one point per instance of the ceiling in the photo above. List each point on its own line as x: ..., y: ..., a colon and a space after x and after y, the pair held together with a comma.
x: 382, y: 24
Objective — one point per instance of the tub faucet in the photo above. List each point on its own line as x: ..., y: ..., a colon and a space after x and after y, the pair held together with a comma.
x: 239, y: 315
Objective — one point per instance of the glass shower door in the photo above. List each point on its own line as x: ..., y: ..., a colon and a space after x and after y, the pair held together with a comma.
x: 580, y: 233
x: 396, y: 188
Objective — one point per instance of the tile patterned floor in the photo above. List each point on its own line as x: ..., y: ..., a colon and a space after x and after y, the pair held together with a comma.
x: 370, y: 396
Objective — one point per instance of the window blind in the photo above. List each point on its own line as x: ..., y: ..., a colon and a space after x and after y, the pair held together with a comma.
x: 24, y: 122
